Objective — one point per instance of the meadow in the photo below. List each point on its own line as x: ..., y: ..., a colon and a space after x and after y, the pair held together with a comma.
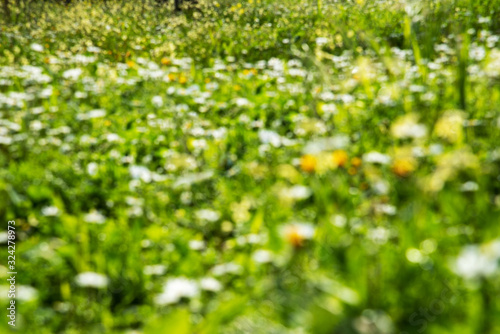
x: 262, y: 166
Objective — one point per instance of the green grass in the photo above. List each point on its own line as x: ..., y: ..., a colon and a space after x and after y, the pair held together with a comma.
x: 254, y: 167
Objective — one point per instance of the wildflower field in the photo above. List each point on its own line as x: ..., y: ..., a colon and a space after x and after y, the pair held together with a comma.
x: 263, y: 166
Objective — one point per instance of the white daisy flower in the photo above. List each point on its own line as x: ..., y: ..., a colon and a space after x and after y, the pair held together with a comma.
x: 91, y: 280
x: 94, y: 217
x: 210, y: 284
x: 177, y: 288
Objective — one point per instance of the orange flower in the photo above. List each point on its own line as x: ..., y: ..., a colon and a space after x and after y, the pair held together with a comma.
x: 308, y: 163
x: 356, y: 162
x: 165, y: 61
x: 295, y: 238
x: 340, y: 158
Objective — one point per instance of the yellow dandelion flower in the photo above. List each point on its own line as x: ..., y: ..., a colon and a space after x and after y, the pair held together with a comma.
x: 297, y: 233
x: 172, y: 77
x: 308, y: 163
x: 403, y: 166
x: 339, y: 158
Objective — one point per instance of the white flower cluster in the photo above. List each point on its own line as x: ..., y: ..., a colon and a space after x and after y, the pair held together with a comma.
x: 180, y: 287
x: 476, y: 261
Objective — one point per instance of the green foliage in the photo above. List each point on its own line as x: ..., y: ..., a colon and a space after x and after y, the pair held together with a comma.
x: 255, y: 167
